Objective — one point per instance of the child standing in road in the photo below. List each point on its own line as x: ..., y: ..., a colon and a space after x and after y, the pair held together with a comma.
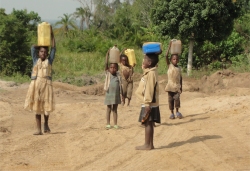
x: 127, y: 72
x: 174, y: 85
x: 148, y: 94
x: 113, y: 88
x: 40, y: 96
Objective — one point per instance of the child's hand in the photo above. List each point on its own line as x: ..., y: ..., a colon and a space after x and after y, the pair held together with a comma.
x: 147, y: 109
x: 146, y: 113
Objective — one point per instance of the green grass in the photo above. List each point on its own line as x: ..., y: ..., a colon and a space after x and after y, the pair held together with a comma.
x: 18, y: 78
x: 72, y: 67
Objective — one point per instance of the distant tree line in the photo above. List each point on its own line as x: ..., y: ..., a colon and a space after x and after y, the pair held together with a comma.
x: 212, y: 32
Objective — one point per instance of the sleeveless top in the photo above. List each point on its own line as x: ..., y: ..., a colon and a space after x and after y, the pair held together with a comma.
x: 127, y: 69
x: 174, y: 79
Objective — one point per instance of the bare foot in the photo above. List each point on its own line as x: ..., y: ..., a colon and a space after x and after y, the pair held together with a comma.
x: 123, y: 103
x: 38, y: 133
x: 128, y: 103
x: 144, y: 147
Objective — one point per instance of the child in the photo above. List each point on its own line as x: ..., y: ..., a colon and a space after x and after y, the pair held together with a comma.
x: 148, y: 94
x: 174, y: 85
x: 40, y: 97
x: 113, y: 88
x: 127, y: 72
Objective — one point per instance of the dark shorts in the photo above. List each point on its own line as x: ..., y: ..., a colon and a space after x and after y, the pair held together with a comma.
x: 154, y: 115
x: 174, y: 100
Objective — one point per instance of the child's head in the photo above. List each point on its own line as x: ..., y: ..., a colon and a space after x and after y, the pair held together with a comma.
x: 174, y: 59
x: 150, y: 60
x: 43, y: 52
x: 124, y: 60
x: 113, y: 68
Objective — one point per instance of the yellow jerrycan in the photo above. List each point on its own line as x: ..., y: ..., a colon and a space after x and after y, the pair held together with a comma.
x: 114, y: 55
x: 44, y: 34
x: 175, y: 47
x: 131, y: 56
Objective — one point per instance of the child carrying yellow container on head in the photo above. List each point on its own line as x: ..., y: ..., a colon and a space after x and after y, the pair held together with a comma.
x: 40, y: 96
x: 127, y: 72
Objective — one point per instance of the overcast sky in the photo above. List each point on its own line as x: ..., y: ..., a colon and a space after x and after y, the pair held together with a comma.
x: 46, y: 9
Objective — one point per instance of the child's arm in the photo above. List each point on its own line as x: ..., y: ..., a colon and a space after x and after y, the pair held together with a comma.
x: 106, y: 61
x: 149, y: 89
x: 33, y: 50
x: 53, y: 44
x: 167, y: 60
x: 53, y: 47
x: 149, y: 93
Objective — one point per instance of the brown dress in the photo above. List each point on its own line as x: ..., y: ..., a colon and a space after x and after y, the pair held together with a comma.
x: 127, y: 84
x: 40, y: 96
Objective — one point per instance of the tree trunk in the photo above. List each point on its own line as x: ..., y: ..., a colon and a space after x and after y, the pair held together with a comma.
x: 190, y: 56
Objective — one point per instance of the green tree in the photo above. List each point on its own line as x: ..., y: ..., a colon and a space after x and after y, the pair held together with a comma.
x: 141, y: 12
x: 66, y: 22
x: 197, y: 20
x: 102, y: 15
x: 80, y: 13
x: 16, y: 31
x: 84, y: 14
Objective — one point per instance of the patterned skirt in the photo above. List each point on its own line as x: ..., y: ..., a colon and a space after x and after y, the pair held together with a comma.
x: 154, y: 115
x: 40, y: 96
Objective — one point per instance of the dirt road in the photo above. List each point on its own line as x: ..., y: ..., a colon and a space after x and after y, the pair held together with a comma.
x: 213, y: 135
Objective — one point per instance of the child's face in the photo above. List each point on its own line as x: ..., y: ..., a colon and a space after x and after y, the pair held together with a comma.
x: 146, y: 62
x: 124, y: 61
x: 174, y: 59
x: 43, y: 53
x: 113, y: 68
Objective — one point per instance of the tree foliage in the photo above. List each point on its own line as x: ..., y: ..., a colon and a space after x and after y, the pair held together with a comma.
x: 207, y: 20
x: 16, y: 31
x: 66, y: 22
x: 130, y: 23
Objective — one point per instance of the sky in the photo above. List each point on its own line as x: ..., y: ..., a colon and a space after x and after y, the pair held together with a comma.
x: 46, y: 9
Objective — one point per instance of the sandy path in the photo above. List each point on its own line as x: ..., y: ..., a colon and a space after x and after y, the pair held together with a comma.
x: 213, y: 135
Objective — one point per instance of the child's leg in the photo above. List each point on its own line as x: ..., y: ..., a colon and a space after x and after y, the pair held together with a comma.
x: 149, y: 132
x: 171, y: 104
x: 123, y: 100
x: 38, y: 124
x: 128, y: 102
x: 129, y: 92
x: 152, y: 125
x: 114, y: 109
x: 46, y: 124
x: 124, y: 91
x: 177, y: 105
x: 108, y: 114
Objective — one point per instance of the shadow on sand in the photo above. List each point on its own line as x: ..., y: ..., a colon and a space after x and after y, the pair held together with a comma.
x: 57, y: 133
x: 194, y: 139
x: 179, y: 123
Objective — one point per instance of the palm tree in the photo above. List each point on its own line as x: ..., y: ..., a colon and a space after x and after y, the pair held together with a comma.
x: 66, y: 22
x: 80, y: 13
x: 88, y: 15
